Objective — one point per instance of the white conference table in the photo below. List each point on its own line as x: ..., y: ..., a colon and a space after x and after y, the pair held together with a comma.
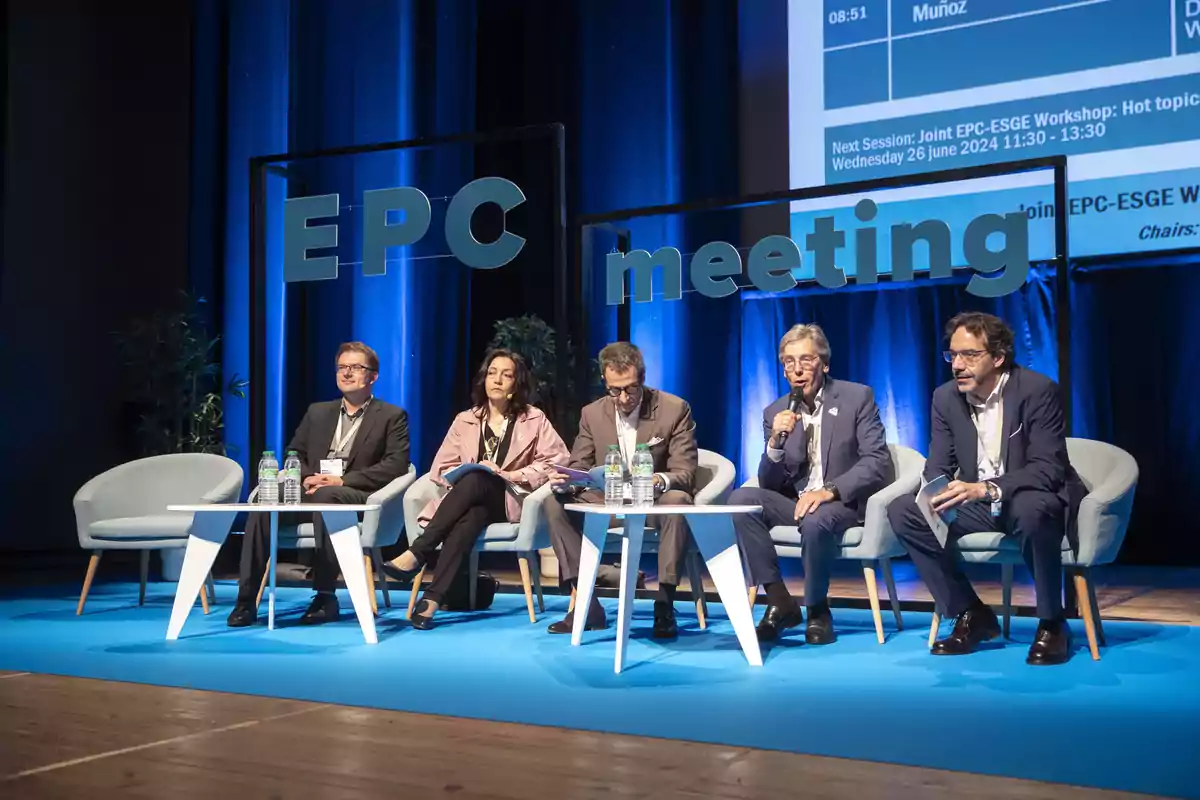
x: 711, y: 529
x: 210, y: 528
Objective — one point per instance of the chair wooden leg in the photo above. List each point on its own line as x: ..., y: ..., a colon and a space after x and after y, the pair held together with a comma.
x: 571, y: 605
x: 526, y: 583
x: 537, y: 582
x: 204, y: 600
x: 752, y: 594
x: 262, y: 586
x: 1095, y: 604
x: 143, y: 575
x: 889, y: 579
x: 211, y: 586
x: 93, y: 562
x: 697, y: 586
x: 933, y: 628
x: 1085, y: 608
x: 380, y: 576
x: 873, y: 595
x: 473, y: 586
x: 412, y: 596
x: 371, y: 584
x: 1006, y: 583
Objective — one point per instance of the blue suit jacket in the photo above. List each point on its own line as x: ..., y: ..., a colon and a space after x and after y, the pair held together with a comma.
x: 1033, y: 449
x: 854, y: 451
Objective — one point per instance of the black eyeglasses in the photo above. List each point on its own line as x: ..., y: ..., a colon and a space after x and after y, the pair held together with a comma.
x: 353, y: 369
x: 970, y: 356
x: 632, y: 391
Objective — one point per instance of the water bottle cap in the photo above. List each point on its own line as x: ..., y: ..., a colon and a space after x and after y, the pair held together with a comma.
x: 616, y: 447
x: 643, y: 446
x: 268, y: 452
x: 293, y: 453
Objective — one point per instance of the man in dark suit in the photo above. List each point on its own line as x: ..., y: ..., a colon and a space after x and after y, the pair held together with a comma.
x: 997, y: 434
x: 826, y: 454
x: 631, y: 414
x: 348, y: 449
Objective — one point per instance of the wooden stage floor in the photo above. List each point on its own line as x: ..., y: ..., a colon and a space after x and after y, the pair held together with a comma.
x: 69, y: 737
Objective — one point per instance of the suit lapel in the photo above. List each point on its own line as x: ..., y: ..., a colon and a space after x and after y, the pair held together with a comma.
x: 829, y: 416
x: 370, y: 416
x: 517, y: 443
x: 324, y: 430
x: 647, y: 415
x: 1008, y: 423
x: 604, y: 431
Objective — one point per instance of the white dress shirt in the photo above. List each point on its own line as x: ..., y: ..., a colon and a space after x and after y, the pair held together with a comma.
x: 810, y: 421
x: 988, y: 417
x: 627, y: 440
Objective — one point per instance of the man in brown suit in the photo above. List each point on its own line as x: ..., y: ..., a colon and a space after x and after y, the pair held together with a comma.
x: 630, y: 414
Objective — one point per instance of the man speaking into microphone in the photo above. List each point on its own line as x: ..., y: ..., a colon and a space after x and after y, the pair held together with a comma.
x: 826, y: 454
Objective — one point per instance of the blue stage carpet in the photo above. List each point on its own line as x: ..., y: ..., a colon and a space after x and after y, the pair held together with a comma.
x: 1130, y: 721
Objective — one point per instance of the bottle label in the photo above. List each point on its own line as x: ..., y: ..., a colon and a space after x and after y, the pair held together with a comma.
x: 292, y: 474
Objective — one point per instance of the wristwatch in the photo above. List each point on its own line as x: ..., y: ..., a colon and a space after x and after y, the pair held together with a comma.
x: 832, y: 489
x: 993, y: 491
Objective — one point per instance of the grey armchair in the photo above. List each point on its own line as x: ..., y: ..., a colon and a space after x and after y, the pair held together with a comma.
x: 873, y: 542
x: 378, y: 529
x: 524, y: 538
x: 1110, y: 475
x: 124, y: 508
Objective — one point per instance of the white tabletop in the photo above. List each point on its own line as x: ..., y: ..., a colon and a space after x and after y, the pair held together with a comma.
x: 664, y: 510
x: 308, y: 507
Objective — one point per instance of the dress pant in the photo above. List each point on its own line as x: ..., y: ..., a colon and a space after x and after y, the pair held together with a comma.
x: 672, y: 530
x: 820, y: 534
x: 1036, y: 519
x: 256, y: 543
x: 475, y: 502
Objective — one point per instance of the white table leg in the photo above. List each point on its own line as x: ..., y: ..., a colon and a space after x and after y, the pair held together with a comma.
x: 717, y: 541
x: 273, y: 563
x: 631, y: 556
x: 209, y: 531
x: 347, y: 546
x: 595, y: 530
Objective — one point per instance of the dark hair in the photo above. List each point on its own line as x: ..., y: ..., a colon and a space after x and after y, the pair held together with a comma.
x: 522, y: 383
x: 994, y: 332
x: 621, y: 356
x: 358, y: 347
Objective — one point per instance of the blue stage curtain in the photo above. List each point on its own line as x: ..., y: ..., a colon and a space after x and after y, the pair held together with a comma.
x: 889, y: 337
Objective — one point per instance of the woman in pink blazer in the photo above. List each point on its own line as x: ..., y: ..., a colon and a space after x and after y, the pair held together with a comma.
x: 519, y: 447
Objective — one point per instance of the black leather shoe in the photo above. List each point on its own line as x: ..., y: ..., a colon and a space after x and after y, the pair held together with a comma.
x: 820, y: 625
x: 242, y: 616
x: 972, y: 627
x: 324, y: 608
x: 1051, y: 644
x: 400, y: 575
x: 777, y: 620
x: 595, y: 620
x: 421, y: 621
x: 664, y: 620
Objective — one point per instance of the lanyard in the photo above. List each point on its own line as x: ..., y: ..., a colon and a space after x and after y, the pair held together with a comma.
x: 339, y: 441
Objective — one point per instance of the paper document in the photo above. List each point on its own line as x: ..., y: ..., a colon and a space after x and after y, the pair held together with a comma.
x: 453, y: 475
x: 938, y: 523
x: 592, y: 479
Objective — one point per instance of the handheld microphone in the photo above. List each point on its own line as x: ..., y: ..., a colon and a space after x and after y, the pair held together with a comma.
x: 794, y: 405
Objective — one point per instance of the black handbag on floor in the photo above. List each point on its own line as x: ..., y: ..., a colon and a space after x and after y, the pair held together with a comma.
x: 458, y: 596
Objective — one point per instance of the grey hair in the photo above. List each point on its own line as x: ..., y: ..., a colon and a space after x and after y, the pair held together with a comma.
x: 811, y: 332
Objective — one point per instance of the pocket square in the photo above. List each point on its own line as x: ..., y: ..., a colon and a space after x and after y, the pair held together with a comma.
x: 1018, y: 430
x: 654, y: 440
x: 833, y: 412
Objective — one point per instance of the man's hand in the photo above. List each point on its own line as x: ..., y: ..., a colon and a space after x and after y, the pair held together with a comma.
x: 810, y: 501
x: 957, y: 493
x: 314, y: 482
x: 559, y: 479
x: 784, y: 422
x: 660, y: 483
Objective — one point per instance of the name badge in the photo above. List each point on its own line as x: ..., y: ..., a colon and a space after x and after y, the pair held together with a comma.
x: 332, y: 466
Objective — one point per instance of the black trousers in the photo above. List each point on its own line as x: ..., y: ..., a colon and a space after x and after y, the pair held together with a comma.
x: 1037, y: 519
x: 256, y: 544
x: 475, y: 502
x: 820, y: 533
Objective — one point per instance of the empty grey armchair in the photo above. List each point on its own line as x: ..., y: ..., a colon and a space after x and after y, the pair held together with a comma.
x: 873, y: 543
x: 1110, y: 475
x: 125, y: 507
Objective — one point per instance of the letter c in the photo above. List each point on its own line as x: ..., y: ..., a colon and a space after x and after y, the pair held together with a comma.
x: 463, y: 244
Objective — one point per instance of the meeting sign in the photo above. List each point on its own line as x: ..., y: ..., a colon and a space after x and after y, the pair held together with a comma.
x: 994, y: 245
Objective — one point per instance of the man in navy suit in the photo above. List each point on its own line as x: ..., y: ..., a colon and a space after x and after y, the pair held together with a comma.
x: 826, y: 454
x: 998, y: 436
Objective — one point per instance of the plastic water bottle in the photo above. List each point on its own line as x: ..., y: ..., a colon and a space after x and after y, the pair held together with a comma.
x: 268, y: 479
x: 291, y: 478
x: 614, y: 477
x: 643, y: 476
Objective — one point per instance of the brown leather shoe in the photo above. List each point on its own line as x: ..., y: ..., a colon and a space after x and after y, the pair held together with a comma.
x: 1051, y: 643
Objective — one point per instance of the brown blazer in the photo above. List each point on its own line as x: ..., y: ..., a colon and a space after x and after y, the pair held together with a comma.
x: 533, y: 452
x: 665, y: 422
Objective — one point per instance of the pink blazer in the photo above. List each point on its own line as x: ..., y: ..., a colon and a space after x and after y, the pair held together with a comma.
x: 533, y: 451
